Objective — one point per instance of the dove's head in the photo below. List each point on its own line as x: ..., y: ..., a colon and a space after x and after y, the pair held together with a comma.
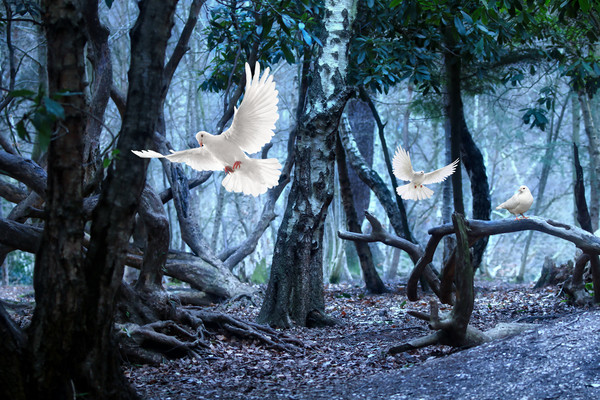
x: 523, y: 189
x: 421, y: 173
x: 203, y: 137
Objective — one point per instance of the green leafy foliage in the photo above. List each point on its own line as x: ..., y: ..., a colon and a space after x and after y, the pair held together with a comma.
x: 537, y: 117
x: 43, y: 112
x: 278, y: 31
x: 113, y: 155
x: 406, y: 40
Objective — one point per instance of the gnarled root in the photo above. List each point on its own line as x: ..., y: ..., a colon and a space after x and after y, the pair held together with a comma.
x: 151, y: 327
x: 446, y: 336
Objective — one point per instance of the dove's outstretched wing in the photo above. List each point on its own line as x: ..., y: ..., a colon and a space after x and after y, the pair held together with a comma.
x: 254, y: 121
x: 401, y: 165
x: 441, y: 174
x: 198, y: 158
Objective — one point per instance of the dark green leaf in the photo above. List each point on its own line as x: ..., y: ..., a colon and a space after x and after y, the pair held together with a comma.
x: 267, y: 24
x: 306, y: 37
x: 287, y: 53
x: 460, y: 28
x: 22, y: 93
x: 361, y: 57
x: 585, y: 5
x: 54, y: 108
x: 22, y: 131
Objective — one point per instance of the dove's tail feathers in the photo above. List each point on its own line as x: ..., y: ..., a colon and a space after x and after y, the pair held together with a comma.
x: 254, y: 176
x: 412, y: 192
x: 147, y: 154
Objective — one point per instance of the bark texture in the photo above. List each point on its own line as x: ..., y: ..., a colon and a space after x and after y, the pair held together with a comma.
x: 372, y: 280
x: 56, y: 331
x: 363, y: 125
x: 112, y: 219
x: 454, y: 118
x: 295, y: 292
x: 593, y: 135
x: 71, y: 340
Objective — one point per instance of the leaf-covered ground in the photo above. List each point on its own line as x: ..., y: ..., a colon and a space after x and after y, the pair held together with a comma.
x: 339, y: 357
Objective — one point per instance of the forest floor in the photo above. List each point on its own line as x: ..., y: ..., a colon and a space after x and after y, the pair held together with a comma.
x: 349, y: 361
x: 559, y: 360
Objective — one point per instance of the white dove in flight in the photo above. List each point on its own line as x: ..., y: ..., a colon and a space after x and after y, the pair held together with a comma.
x: 518, y: 203
x: 416, y: 189
x: 252, y: 127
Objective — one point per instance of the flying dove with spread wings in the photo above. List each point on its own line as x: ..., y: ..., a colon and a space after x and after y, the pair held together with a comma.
x: 519, y: 203
x: 416, y: 189
x: 252, y: 127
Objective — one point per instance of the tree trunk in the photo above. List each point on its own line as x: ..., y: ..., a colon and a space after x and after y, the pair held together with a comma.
x: 99, y: 52
x: 372, y: 280
x: 72, y: 346
x: 295, y: 291
x: 471, y: 156
x: 593, y: 135
x: 472, y: 159
x: 547, y: 162
x: 156, y: 228
x: 454, y: 121
x: 56, y: 330
x: 363, y: 125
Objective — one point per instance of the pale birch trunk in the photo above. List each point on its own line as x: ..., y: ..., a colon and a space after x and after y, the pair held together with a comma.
x: 295, y: 292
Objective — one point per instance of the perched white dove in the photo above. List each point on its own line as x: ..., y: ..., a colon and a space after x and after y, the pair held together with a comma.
x: 416, y: 189
x: 519, y: 203
x: 252, y: 127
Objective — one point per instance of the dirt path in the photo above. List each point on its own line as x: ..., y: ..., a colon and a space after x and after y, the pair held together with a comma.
x: 560, y: 360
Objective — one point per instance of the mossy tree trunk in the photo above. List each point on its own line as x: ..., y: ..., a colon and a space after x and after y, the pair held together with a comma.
x: 295, y: 292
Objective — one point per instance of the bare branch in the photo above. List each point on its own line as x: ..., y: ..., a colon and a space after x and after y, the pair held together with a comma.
x: 11, y: 192
x: 378, y: 234
x: 20, y: 236
x: 480, y: 228
x: 24, y: 170
x: 182, y: 44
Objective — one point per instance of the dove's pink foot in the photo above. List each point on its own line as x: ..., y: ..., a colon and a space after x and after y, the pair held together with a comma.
x: 236, y: 165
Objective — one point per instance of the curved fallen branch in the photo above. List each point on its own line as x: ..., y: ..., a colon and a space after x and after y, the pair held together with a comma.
x: 454, y: 329
x: 378, y: 234
x: 586, y: 241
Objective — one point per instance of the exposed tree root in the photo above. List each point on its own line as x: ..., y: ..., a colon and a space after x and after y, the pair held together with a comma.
x: 249, y: 330
x: 444, y: 335
x: 152, y: 327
